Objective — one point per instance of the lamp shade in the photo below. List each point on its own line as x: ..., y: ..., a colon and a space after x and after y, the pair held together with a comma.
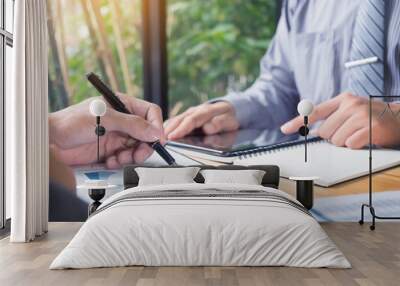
x: 98, y: 107
x: 305, y: 107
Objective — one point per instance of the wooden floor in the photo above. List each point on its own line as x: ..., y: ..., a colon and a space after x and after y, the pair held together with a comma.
x: 375, y: 257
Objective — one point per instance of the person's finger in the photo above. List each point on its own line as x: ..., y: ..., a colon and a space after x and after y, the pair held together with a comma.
x: 173, y: 123
x: 293, y: 125
x: 135, y: 105
x: 221, y: 123
x: 149, y: 111
x: 112, y: 163
x: 134, y: 155
x: 346, y: 130
x: 189, y: 123
x: 329, y: 127
x: 132, y: 125
x: 154, y: 116
x: 125, y: 156
x: 141, y: 153
x: 359, y: 139
x: 320, y: 112
x: 198, y: 118
x: 130, y: 142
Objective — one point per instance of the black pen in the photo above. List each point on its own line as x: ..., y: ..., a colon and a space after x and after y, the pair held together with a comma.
x: 118, y: 105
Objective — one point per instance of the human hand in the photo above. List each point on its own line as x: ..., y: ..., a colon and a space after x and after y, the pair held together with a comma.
x: 72, y: 132
x: 346, y: 122
x: 212, y: 118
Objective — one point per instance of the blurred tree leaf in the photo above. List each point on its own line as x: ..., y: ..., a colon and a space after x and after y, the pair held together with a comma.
x: 215, y: 46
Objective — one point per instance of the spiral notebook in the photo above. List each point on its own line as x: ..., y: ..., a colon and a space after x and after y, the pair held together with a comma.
x: 331, y: 164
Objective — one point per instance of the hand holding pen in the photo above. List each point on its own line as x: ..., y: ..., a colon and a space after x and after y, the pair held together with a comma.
x: 75, y: 142
x: 150, y: 112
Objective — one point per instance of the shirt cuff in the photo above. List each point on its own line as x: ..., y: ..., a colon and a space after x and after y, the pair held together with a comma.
x: 241, y: 106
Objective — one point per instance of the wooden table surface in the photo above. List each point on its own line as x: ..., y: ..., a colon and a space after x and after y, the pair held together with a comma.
x: 382, y: 181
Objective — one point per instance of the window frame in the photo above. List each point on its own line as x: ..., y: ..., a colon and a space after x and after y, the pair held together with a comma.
x: 6, y: 39
x: 155, y: 57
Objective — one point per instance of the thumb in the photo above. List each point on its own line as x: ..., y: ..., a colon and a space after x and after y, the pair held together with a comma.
x: 132, y: 125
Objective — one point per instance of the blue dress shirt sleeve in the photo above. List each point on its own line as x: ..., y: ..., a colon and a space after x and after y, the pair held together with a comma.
x: 273, y: 98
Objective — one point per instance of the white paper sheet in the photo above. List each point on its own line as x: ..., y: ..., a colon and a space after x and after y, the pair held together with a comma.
x: 156, y: 160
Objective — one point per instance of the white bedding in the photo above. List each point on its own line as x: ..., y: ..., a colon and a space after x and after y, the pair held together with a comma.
x: 187, y: 231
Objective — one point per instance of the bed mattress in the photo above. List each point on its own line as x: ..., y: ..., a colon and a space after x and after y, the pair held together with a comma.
x: 201, y: 225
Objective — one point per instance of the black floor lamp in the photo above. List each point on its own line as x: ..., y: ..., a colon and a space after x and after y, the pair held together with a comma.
x: 370, y: 203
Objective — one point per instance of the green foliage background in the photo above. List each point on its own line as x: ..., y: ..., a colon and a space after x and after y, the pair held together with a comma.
x: 213, y: 46
x: 216, y: 43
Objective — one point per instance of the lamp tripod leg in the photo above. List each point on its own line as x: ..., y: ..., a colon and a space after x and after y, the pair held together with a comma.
x: 305, y: 148
x: 305, y: 137
x: 361, y: 221
x: 372, y: 210
x: 98, y: 148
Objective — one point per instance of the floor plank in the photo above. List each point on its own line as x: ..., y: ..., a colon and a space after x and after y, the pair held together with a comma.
x: 375, y: 257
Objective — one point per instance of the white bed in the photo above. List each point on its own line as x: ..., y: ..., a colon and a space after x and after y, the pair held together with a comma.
x: 221, y: 225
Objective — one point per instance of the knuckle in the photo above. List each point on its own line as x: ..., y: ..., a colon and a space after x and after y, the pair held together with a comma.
x: 355, y: 101
x: 192, y: 119
x: 171, y: 121
x: 191, y: 109
x: 350, y: 106
x: 217, y: 122
x: 224, y: 107
x: 337, y: 142
x: 364, y: 112
x: 323, y: 133
x: 178, y: 118
x: 203, y: 114
x: 120, y: 94
x: 346, y: 95
x: 209, y: 128
x: 155, y: 107
x: 204, y: 108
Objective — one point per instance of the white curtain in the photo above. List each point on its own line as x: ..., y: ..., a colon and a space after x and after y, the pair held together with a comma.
x: 27, y: 124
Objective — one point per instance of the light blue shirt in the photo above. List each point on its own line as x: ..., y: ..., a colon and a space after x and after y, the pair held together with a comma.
x: 306, y: 60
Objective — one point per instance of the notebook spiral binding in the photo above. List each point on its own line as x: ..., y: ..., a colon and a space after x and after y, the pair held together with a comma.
x: 256, y: 152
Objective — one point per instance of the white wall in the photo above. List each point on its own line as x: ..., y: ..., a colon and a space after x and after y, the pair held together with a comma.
x: 8, y: 85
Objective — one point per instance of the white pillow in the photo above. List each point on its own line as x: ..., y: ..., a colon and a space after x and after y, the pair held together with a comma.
x: 166, y: 176
x: 247, y: 177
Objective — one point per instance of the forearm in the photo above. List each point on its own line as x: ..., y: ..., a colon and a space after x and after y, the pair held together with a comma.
x: 273, y: 98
